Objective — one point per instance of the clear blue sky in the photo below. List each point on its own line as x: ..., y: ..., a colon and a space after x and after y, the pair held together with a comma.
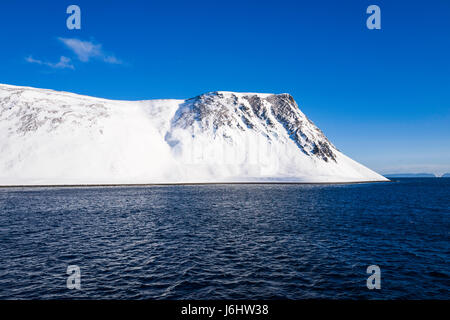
x: 381, y: 96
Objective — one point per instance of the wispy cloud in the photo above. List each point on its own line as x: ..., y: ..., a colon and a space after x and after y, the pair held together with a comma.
x: 87, y: 50
x: 63, y: 63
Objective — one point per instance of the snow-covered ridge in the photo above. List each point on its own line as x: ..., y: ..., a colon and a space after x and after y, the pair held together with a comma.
x: 51, y: 137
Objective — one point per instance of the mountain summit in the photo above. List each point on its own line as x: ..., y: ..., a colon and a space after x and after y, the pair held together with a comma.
x: 51, y: 137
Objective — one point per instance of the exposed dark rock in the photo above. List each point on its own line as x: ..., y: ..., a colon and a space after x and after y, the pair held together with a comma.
x: 216, y: 110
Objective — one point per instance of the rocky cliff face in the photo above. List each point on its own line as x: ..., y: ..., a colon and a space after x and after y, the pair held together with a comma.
x: 276, y: 117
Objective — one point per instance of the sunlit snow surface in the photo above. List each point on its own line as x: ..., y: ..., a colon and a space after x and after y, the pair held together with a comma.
x: 50, y: 137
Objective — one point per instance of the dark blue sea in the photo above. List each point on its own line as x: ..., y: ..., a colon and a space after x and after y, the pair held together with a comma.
x: 227, y: 241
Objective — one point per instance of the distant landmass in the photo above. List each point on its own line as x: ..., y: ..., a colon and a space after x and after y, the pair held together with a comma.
x: 411, y: 175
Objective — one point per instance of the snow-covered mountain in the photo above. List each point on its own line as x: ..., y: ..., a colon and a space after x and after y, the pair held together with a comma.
x: 50, y: 137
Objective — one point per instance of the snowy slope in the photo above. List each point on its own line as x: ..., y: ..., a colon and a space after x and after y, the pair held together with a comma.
x: 50, y: 137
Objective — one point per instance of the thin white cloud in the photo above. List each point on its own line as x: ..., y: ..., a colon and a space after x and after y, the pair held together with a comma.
x: 87, y: 50
x: 63, y: 63
x: 112, y: 60
x: 31, y: 60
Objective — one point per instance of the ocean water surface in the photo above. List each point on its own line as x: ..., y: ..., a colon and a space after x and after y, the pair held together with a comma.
x: 268, y: 241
